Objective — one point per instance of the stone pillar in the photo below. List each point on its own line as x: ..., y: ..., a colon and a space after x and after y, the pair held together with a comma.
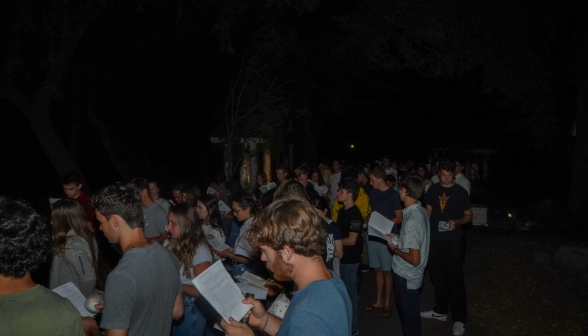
x: 267, y: 163
x: 253, y: 164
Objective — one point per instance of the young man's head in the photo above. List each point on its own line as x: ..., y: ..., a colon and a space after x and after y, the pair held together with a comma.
x: 412, y: 187
x: 287, y: 233
x: 347, y: 193
x: 142, y: 185
x: 390, y: 181
x: 24, y: 239
x: 459, y: 166
x: 281, y: 174
x: 118, y: 208
x: 301, y: 174
x: 378, y: 178
x: 177, y: 193
x: 291, y: 190
x: 72, y: 184
x: 221, y: 179
x: 337, y: 165
x: 446, y: 171
x: 362, y: 178
x: 386, y: 162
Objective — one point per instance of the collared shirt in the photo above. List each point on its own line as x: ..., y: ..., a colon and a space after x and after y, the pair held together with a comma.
x: 414, y: 234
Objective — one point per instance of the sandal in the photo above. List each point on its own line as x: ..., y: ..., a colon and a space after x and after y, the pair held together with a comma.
x: 371, y: 308
x: 386, y: 312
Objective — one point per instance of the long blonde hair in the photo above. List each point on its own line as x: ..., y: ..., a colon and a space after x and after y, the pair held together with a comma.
x: 68, y: 214
x: 190, y: 238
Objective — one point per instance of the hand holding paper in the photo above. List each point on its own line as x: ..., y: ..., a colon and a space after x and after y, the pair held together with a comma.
x: 379, y: 226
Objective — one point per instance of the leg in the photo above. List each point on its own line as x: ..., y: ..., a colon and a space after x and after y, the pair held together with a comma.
x: 408, y: 304
x: 379, y: 287
x: 438, y: 272
x: 376, y: 265
x: 387, y: 288
x: 386, y: 259
x: 348, y: 275
x: 457, y: 299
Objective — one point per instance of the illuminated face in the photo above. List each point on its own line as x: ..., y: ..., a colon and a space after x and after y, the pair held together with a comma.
x: 201, y: 210
x: 242, y: 214
x: 281, y: 175
x: 343, y: 196
x: 303, y: 179
x: 72, y: 190
x: 361, y: 178
x: 153, y: 191
x: 259, y: 180
x: 108, y: 228
x: 173, y: 229
x: 446, y: 178
x: 402, y: 194
x: 375, y: 182
x: 421, y: 171
x: 275, y: 263
x: 177, y: 194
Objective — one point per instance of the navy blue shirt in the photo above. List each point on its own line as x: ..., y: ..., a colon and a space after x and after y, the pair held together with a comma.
x: 385, y: 203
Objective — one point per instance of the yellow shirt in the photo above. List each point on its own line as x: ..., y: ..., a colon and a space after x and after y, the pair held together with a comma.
x: 362, y: 202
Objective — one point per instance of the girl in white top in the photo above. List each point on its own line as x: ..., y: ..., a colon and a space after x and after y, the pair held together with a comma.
x: 210, y: 217
x: 194, y: 254
x: 319, y: 184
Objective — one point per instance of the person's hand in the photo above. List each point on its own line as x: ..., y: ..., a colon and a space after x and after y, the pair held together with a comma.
x: 99, y: 306
x: 390, y: 245
x: 223, y: 253
x: 236, y: 328
x: 257, y: 315
x: 227, y: 216
x: 452, y: 225
x: 273, y: 289
x: 90, y: 326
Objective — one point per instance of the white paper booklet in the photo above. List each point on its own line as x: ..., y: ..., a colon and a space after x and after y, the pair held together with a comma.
x: 215, y: 243
x: 267, y: 187
x: 260, y: 293
x: 223, y: 208
x: 211, y: 191
x: 379, y: 226
x: 217, y: 286
x: 73, y: 294
x: 254, y: 279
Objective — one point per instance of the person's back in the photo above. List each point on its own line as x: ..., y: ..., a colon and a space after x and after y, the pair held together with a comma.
x: 141, y: 290
x: 75, y: 265
x: 37, y: 312
x: 321, y: 308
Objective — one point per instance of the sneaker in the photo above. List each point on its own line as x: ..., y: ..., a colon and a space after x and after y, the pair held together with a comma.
x: 432, y: 314
x: 365, y: 268
x: 458, y: 329
x: 357, y: 333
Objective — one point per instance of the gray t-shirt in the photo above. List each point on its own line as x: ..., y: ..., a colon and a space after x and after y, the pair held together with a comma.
x: 242, y: 246
x: 141, y: 292
x: 202, y: 255
x: 164, y: 204
x: 155, y: 218
x: 414, y: 234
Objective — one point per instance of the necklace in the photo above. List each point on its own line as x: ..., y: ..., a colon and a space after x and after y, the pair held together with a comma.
x: 148, y: 241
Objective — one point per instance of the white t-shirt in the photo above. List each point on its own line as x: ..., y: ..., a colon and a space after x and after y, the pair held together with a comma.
x: 164, y: 204
x: 463, y: 181
x: 335, y: 178
x: 208, y: 229
x: 391, y: 171
x: 321, y: 190
x: 435, y: 179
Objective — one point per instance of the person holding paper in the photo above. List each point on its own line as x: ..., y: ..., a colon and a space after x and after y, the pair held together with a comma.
x: 74, y: 249
x: 210, y: 217
x: 385, y: 201
x: 245, y: 207
x: 154, y: 214
x: 351, y: 223
x: 291, y: 238
x: 26, y: 308
x: 190, y: 246
x: 143, y: 292
x: 410, y: 259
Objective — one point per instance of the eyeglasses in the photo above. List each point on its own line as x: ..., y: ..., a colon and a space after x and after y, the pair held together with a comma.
x: 237, y: 210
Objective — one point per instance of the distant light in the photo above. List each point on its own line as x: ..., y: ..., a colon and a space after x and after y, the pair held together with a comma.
x: 352, y: 146
x: 509, y: 215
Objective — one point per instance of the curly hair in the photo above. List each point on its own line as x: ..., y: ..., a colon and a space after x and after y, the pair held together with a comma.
x: 191, y: 236
x: 247, y: 200
x: 289, y: 222
x: 121, y: 199
x: 24, y: 238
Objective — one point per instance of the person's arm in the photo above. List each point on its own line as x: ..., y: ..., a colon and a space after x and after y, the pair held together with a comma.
x: 412, y: 257
x: 350, y: 241
x: 178, y: 310
x: 398, y: 217
x: 82, y: 266
x: 117, y: 332
x: 429, y: 210
x: 237, y: 258
x: 466, y: 218
x: 162, y: 237
x: 338, y: 249
x: 191, y: 290
x: 258, y: 317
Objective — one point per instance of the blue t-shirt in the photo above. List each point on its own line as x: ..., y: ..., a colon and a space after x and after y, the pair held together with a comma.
x: 386, y: 203
x: 321, y: 308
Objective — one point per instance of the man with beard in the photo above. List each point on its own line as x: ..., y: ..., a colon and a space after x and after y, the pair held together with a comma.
x: 291, y: 239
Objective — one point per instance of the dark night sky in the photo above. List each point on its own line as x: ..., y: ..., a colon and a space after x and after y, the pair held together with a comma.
x: 160, y: 82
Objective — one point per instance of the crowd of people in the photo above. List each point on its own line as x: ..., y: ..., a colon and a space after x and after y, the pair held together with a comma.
x: 309, y: 234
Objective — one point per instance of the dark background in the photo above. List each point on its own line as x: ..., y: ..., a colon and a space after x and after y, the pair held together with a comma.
x: 458, y: 75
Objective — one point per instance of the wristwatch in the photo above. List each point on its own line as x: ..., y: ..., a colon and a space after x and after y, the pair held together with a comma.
x: 231, y: 254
